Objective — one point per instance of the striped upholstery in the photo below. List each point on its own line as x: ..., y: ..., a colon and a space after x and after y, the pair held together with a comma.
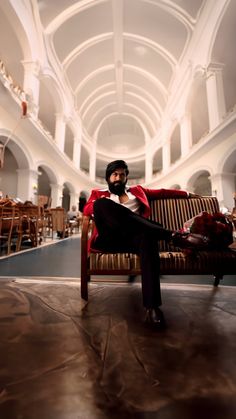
x: 172, y: 213
x: 203, y: 262
x: 176, y: 262
x: 110, y: 261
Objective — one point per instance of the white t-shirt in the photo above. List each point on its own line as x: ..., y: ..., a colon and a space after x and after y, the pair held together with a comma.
x: 132, y: 204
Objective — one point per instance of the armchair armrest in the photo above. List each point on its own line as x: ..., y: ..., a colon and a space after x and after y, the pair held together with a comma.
x: 86, y: 223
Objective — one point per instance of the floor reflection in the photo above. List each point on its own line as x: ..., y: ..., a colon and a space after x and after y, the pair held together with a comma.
x: 64, y: 359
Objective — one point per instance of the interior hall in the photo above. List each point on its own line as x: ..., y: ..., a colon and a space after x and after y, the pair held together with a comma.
x: 83, y: 83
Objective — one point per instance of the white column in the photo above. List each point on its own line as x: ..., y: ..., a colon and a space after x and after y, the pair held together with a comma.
x: 60, y: 131
x: 228, y: 187
x: 217, y: 187
x: 186, y: 138
x: 27, y: 185
x: 56, y: 195
x: 166, y: 156
x: 74, y: 199
x: 148, y: 166
x: 223, y: 186
x: 92, y: 164
x: 31, y: 85
x: 215, y: 94
x: 77, y: 152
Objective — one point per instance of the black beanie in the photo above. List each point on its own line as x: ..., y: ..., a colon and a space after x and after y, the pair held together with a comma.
x: 114, y: 165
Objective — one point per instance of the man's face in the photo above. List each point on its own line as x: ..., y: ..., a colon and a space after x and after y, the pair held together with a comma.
x: 117, y: 182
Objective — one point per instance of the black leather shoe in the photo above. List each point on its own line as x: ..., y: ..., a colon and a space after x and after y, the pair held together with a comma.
x: 190, y: 241
x: 155, y: 317
x: 179, y: 239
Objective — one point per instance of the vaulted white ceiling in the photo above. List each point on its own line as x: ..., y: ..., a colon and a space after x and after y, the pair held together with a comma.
x: 119, y: 59
x: 119, y: 62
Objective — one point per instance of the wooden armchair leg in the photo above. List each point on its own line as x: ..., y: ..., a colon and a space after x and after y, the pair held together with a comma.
x: 84, y: 286
x: 217, y: 279
x: 18, y: 243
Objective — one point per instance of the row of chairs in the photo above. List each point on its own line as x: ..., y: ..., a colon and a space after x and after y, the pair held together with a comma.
x: 21, y: 224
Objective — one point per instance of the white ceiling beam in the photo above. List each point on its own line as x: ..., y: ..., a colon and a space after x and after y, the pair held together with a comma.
x: 117, y: 12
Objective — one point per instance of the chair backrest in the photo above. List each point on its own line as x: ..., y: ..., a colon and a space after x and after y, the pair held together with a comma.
x: 9, y: 224
x: 58, y: 219
x: 6, y: 219
x: 32, y: 211
x: 172, y: 213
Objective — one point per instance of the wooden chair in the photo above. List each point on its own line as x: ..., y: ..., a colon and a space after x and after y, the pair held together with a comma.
x: 48, y: 223
x: 59, y: 222
x: 32, y: 225
x: 74, y: 224
x: 9, y: 227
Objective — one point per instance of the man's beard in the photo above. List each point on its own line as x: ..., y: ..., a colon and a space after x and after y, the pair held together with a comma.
x: 118, y: 188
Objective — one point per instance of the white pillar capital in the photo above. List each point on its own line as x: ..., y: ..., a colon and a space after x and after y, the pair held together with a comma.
x: 32, y: 67
x: 213, y: 68
x: 60, y: 116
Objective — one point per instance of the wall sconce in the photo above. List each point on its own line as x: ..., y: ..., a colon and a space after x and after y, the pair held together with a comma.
x: 35, y: 187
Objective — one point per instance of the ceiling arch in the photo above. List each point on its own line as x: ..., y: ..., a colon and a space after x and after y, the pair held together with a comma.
x: 119, y: 57
x: 123, y: 131
x: 132, y: 61
x: 23, y: 160
x: 124, y: 60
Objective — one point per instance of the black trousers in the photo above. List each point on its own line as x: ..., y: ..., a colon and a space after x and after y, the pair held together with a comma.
x: 121, y: 230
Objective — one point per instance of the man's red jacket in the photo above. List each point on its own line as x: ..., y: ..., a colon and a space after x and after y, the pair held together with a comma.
x: 142, y: 194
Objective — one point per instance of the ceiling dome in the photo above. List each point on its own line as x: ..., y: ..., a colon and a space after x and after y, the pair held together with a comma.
x: 119, y: 60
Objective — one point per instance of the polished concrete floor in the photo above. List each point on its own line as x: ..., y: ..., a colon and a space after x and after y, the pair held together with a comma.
x: 54, y: 258
x: 64, y: 359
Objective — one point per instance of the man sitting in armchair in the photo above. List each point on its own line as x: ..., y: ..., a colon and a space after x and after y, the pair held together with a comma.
x: 122, y: 225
